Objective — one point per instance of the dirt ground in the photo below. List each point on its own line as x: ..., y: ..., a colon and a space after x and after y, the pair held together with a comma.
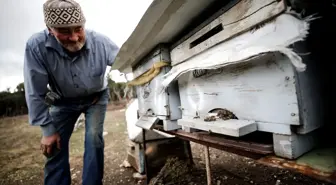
x: 22, y: 163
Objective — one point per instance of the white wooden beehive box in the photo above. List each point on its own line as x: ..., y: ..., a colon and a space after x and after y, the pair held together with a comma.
x: 264, y: 91
x: 260, y: 93
x: 155, y: 102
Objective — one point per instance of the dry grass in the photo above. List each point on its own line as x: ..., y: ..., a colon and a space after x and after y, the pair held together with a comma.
x: 22, y: 162
x: 19, y: 151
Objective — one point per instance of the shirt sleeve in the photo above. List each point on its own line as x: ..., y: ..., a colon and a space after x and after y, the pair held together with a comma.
x: 35, y: 82
x: 112, y: 51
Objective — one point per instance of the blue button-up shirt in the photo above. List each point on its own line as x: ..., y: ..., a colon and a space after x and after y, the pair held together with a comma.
x: 76, y: 76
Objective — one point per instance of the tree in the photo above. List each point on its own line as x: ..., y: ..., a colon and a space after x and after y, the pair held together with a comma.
x: 20, y: 87
x: 12, y: 104
x: 116, y: 90
x: 3, y: 94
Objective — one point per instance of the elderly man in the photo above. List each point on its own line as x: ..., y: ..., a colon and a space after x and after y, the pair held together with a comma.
x: 72, y: 61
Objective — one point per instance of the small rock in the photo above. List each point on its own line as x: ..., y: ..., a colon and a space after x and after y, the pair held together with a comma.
x: 139, y: 176
x: 251, y: 182
x: 105, y: 133
x: 214, y: 156
x: 275, y: 176
x: 218, y: 182
x: 277, y: 182
x: 73, y: 176
x: 77, y: 172
x: 72, y: 169
x: 125, y: 164
x: 225, y: 177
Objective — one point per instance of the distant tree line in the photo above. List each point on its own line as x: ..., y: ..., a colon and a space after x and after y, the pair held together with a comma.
x: 120, y: 91
x: 14, y: 103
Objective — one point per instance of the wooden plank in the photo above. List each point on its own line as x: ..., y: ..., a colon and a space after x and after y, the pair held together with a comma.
x: 242, y: 17
x: 147, y: 122
x: 207, y: 164
x: 274, y: 128
x: 232, y: 127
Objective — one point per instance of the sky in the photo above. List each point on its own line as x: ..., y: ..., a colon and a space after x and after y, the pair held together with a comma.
x: 19, y: 19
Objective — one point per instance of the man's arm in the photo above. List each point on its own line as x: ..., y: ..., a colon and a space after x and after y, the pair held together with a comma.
x: 112, y: 50
x: 35, y: 82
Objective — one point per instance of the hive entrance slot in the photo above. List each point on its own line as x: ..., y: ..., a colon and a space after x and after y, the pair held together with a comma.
x: 206, y: 36
x: 219, y: 113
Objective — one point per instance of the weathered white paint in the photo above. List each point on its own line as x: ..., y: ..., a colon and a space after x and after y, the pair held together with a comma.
x: 188, y: 129
x: 261, y: 90
x: 261, y: 126
x: 157, y: 55
x: 156, y: 102
x: 169, y: 125
x: 294, y: 145
x: 131, y: 116
x: 232, y: 127
x: 135, y: 132
x: 274, y: 128
x: 147, y: 122
x: 153, y: 98
x: 240, y: 18
x: 275, y: 36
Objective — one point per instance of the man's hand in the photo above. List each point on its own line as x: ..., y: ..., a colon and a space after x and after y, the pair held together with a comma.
x: 49, y: 143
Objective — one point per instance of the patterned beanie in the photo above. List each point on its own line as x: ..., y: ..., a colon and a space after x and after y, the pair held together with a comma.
x: 63, y: 13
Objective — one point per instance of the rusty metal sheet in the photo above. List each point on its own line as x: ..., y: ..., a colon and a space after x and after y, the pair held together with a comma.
x: 243, y: 148
x: 304, y: 169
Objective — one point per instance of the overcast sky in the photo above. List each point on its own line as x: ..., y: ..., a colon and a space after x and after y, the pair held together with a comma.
x: 19, y: 19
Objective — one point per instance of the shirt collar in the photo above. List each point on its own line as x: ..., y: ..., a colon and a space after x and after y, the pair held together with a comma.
x: 51, y: 42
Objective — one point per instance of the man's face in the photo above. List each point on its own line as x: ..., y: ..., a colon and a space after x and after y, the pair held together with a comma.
x: 71, y: 38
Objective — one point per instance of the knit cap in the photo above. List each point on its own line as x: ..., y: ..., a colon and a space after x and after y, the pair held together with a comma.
x: 63, y: 13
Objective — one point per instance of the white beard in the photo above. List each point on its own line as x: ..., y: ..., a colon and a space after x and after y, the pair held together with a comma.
x: 72, y: 47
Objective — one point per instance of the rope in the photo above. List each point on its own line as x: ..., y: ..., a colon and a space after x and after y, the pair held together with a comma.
x: 149, y: 75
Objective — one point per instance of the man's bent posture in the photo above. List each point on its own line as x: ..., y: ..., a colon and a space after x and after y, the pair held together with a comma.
x: 72, y: 60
